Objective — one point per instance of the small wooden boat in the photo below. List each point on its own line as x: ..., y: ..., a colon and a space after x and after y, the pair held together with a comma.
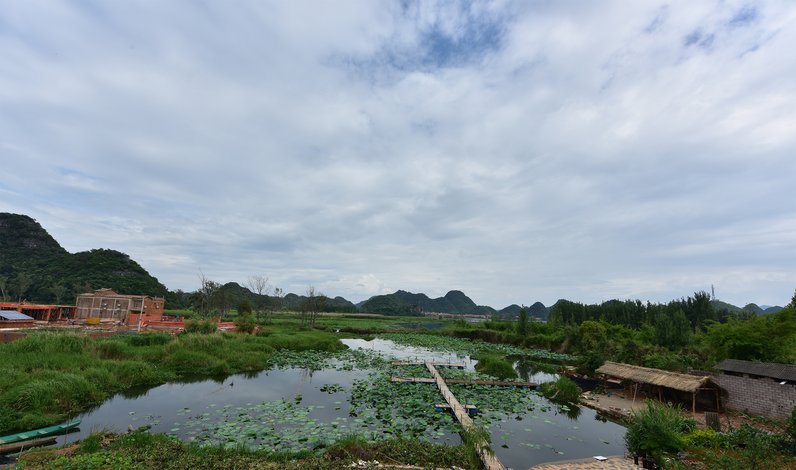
x: 24, y: 445
x: 42, y: 432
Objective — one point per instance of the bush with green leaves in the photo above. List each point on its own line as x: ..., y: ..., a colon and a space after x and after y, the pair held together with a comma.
x: 495, y: 366
x: 751, y: 448
x: 200, y: 326
x: 563, y: 390
x: 246, y: 323
x: 657, y: 430
x: 704, y: 438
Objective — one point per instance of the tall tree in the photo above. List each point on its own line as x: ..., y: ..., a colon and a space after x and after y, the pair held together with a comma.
x: 22, y: 283
x: 277, y: 299
x: 260, y: 286
x: 58, y: 291
x: 207, y: 295
x: 522, y: 322
x: 312, y: 306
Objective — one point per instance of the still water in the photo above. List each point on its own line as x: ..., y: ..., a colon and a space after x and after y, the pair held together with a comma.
x: 301, y: 408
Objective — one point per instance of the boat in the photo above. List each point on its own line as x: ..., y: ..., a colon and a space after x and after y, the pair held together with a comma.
x: 41, y: 432
x: 24, y: 445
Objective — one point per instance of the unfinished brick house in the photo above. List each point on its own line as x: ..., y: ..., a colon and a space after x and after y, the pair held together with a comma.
x: 108, y: 306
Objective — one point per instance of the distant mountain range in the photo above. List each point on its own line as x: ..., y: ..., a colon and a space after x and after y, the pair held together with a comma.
x: 408, y: 303
x: 751, y: 308
x: 34, y: 266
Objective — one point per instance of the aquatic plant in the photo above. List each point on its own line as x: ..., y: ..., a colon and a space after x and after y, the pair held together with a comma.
x: 140, y: 449
x: 472, y: 347
x: 85, y: 371
x: 495, y: 366
x: 563, y: 390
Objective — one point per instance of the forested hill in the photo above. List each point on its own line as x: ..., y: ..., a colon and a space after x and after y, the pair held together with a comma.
x: 34, y: 266
x: 407, y: 303
x: 536, y: 310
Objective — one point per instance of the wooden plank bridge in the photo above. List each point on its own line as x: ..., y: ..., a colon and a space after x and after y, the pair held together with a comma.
x: 462, y: 413
x: 487, y: 456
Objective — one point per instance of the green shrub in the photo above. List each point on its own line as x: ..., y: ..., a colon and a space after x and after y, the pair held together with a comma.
x: 246, y: 323
x: 790, y: 425
x: 668, y: 361
x: 98, y: 461
x: 112, y: 349
x: 205, y: 327
x: 496, y: 367
x: 562, y: 390
x: 750, y: 448
x: 92, y: 443
x: 657, y: 430
x: 136, y: 373
x: 148, y: 339
x: 757, y: 440
x: 190, y: 363
x: 705, y: 438
x: 50, y: 343
x: 52, y: 390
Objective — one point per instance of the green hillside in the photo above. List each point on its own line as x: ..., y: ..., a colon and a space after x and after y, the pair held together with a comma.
x: 35, y: 267
x: 537, y: 310
x: 408, y: 303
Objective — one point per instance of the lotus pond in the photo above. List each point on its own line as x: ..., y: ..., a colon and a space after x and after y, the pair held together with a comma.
x: 308, y: 400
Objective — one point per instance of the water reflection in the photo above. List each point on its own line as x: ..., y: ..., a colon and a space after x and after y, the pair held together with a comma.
x: 533, y: 371
x: 548, y: 432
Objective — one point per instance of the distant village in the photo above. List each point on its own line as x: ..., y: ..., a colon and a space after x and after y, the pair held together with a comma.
x: 100, y: 309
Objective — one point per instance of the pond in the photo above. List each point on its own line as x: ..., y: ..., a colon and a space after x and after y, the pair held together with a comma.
x: 309, y: 400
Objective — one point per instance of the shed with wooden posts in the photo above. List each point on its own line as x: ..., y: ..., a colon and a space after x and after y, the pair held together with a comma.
x: 671, y: 384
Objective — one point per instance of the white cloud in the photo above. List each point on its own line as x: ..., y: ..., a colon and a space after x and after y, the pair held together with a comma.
x: 515, y: 151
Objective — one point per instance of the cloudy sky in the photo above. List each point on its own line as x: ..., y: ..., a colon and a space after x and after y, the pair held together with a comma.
x: 518, y: 151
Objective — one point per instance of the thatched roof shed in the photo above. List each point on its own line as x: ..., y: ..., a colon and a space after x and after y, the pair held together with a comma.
x: 663, y: 378
x: 692, y: 384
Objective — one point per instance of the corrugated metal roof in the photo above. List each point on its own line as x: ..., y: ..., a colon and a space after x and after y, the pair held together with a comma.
x: 12, y: 315
x: 664, y: 378
x: 764, y: 369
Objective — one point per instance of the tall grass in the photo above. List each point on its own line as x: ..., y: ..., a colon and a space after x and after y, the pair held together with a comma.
x: 657, y: 430
x: 44, y: 378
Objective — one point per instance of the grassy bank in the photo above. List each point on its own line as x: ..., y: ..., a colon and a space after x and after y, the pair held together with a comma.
x: 141, y: 449
x: 46, y: 377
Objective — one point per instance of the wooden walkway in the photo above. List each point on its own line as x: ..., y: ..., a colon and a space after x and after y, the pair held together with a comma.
x: 487, y: 456
x: 454, y: 365
x: 501, y: 383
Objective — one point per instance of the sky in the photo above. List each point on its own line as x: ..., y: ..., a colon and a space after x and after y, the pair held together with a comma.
x: 517, y: 151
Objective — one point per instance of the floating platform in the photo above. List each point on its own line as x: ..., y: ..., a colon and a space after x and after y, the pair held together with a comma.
x: 455, y: 365
x: 500, y: 383
x: 470, y: 409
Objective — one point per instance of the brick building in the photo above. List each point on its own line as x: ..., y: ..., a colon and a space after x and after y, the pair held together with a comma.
x: 760, y: 388
x: 107, y: 305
